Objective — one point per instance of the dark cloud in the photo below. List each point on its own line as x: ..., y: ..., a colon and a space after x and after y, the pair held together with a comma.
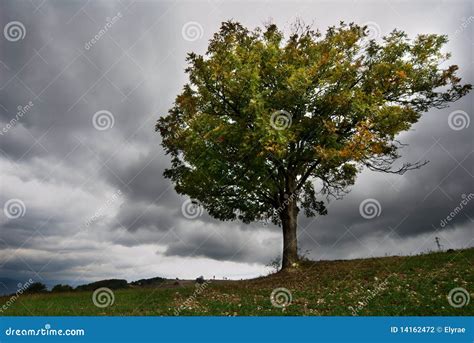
x: 223, y: 243
x: 68, y: 174
x: 138, y: 215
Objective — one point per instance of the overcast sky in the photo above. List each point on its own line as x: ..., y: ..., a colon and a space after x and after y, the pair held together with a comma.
x: 82, y: 190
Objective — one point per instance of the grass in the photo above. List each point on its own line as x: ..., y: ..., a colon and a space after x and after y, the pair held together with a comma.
x: 405, y: 286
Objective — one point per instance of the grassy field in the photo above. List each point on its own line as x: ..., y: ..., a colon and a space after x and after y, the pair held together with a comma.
x: 411, y: 285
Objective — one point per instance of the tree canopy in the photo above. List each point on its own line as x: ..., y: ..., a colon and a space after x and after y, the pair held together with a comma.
x: 267, y: 120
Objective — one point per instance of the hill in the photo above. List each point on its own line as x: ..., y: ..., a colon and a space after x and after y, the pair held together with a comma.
x: 112, y: 284
x: 409, y: 285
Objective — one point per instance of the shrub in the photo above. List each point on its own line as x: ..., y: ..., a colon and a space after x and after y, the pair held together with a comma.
x: 36, y: 287
x: 62, y: 288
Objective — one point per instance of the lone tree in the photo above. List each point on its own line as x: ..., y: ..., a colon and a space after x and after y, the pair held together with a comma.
x: 266, y: 124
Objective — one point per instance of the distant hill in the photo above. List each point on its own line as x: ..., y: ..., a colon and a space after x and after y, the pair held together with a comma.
x: 149, y: 282
x: 112, y: 284
x: 8, y: 286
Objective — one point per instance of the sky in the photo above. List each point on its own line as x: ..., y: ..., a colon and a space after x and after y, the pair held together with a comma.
x: 82, y: 84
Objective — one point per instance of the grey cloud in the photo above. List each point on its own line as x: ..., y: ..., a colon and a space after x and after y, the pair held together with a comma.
x: 230, y: 245
x: 138, y: 215
x: 134, y: 71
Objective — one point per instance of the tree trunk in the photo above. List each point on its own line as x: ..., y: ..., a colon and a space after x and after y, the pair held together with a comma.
x: 289, y: 217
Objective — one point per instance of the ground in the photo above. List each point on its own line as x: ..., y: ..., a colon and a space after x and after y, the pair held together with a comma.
x: 389, y: 286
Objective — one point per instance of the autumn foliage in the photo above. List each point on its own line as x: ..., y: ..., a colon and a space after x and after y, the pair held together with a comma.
x: 265, y: 117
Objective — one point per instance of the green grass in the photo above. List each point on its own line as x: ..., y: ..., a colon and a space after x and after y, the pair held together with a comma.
x: 415, y: 285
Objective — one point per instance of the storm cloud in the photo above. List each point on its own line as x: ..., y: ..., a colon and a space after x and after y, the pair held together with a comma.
x: 81, y: 88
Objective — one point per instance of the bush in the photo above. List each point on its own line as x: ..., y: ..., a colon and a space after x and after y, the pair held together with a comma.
x: 36, y: 287
x: 62, y: 288
x: 200, y: 280
x: 149, y: 282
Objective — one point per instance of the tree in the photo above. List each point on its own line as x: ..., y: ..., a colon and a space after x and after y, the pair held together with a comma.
x: 267, y: 126
x: 59, y: 288
x: 36, y: 287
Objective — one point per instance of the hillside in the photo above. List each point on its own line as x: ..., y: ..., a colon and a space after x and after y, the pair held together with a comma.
x: 409, y: 285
